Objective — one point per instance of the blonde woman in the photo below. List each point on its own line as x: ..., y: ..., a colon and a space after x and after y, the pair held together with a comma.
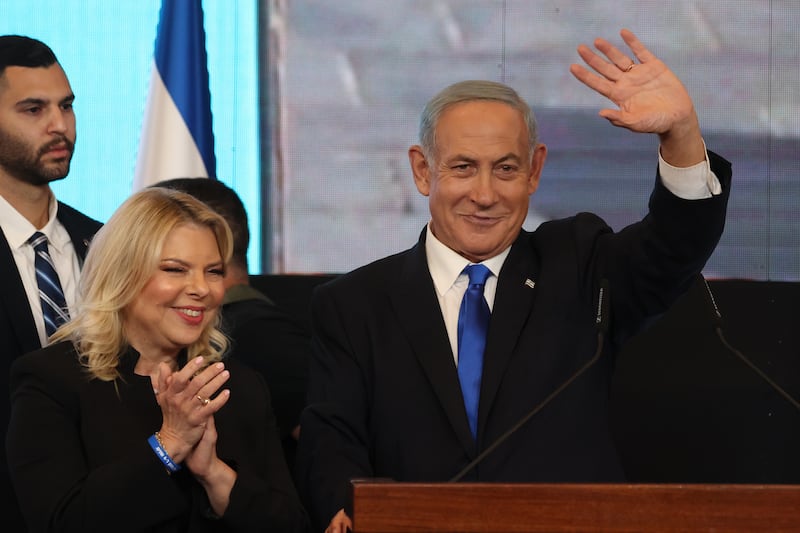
x: 130, y: 420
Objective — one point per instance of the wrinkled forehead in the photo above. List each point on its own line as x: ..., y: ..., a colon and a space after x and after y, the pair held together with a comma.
x: 481, y: 121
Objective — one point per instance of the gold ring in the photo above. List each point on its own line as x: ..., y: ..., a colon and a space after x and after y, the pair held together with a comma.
x: 204, y: 401
x: 630, y: 67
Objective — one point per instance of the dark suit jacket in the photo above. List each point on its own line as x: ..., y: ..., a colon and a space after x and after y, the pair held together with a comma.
x: 384, y: 395
x: 276, y: 345
x: 18, y: 332
x: 80, y: 461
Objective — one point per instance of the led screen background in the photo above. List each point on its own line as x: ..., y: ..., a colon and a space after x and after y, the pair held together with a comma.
x: 106, y: 49
x: 356, y: 75
x: 347, y: 80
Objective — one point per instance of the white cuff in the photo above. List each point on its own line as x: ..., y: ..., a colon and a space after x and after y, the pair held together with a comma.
x: 690, y: 183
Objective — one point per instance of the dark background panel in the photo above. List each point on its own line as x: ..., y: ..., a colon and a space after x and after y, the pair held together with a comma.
x: 685, y: 408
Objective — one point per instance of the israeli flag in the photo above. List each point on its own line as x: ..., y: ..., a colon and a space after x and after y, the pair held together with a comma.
x: 177, y: 140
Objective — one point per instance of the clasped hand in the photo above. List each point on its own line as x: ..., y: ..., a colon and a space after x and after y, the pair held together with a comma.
x: 188, y: 404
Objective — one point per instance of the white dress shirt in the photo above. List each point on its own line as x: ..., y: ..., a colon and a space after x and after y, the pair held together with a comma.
x: 18, y: 230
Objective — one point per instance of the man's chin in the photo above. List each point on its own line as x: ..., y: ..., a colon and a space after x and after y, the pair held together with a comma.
x: 57, y: 177
x: 51, y: 174
x: 40, y: 180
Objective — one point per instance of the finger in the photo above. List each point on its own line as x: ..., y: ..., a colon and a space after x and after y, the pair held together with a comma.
x: 161, y: 379
x: 639, y: 50
x: 609, y: 70
x: 212, y: 386
x: 202, y: 379
x: 207, y: 406
x: 614, y: 116
x: 620, y: 60
x: 340, y: 523
x: 209, y: 432
x: 211, y: 427
x: 593, y: 81
x: 183, y: 377
x: 220, y: 400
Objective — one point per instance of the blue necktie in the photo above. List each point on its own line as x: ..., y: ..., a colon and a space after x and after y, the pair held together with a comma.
x: 54, y: 306
x: 473, y: 324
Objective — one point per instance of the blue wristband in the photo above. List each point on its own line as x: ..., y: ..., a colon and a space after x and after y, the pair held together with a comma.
x: 162, y: 454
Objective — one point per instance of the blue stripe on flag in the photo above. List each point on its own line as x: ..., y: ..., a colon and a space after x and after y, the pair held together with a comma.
x: 181, y: 60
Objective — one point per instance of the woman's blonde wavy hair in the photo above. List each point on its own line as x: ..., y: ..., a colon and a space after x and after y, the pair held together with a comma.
x: 122, y: 257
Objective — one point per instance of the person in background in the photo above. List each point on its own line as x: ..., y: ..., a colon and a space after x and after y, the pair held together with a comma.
x: 424, y: 359
x: 37, y: 138
x: 261, y: 334
x: 130, y: 420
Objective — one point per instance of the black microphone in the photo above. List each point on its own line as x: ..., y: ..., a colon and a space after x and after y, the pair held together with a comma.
x: 602, y: 320
x: 718, y: 328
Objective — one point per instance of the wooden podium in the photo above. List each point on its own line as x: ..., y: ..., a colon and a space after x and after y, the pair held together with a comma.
x: 386, y: 507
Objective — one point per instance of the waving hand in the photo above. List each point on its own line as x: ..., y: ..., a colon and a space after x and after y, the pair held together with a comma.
x: 649, y: 97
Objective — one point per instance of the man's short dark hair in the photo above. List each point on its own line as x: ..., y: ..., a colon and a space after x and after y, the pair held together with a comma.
x: 223, y: 200
x: 21, y: 51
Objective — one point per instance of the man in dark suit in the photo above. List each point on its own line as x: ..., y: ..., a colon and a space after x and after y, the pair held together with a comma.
x: 37, y: 137
x: 385, y: 391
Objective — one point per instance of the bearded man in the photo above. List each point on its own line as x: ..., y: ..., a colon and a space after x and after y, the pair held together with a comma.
x: 42, y: 241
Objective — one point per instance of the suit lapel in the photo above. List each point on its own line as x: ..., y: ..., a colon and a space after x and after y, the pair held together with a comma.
x: 79, y: 233
x: 420, y: 317
x: 513, y: 303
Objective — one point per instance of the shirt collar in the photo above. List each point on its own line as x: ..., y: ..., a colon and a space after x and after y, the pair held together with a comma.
x: 445, y: 265
x: 18, y: 229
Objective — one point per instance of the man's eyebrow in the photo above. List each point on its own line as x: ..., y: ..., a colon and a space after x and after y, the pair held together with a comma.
x: 43, y: 101
x: 31, y: 101
x: 461, y: 157
x: 509, y: 157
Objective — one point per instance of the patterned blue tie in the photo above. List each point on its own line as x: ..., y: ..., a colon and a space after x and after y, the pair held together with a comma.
x: 54, y: 306
x: 473, y: 324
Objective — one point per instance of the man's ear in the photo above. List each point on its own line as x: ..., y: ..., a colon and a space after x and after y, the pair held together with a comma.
x: 421, y: 169
x: 537, y: 164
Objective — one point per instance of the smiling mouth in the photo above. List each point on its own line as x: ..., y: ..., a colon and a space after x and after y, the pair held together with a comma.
x: 191, y: 312
x: 482, y: 219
